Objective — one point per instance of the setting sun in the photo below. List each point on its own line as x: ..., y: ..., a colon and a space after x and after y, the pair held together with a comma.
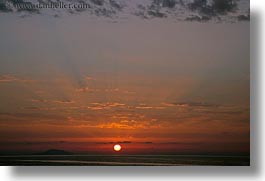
x: 117, y: 147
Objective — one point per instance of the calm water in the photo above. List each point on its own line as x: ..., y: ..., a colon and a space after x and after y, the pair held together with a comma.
x: 128, y: 160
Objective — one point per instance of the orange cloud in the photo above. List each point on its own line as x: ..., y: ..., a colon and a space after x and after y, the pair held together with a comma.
x: 10, y: 79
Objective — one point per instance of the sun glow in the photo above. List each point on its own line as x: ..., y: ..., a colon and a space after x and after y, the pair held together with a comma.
x: 117, y: 147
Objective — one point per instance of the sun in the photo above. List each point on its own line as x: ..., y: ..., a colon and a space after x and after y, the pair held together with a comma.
x: 117, y: 147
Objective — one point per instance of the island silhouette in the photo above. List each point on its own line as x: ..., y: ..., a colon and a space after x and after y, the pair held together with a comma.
x: 54, y: 152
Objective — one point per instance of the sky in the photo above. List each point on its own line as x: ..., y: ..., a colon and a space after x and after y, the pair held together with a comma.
x: 82, y: 83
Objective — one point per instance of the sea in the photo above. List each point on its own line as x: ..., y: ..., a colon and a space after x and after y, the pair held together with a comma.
x: 124, y: 160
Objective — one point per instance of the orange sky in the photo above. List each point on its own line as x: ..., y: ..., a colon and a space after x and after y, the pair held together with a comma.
x: 164, y: 88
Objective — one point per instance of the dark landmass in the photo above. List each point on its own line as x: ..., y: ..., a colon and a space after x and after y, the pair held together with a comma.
x: 54, y: 152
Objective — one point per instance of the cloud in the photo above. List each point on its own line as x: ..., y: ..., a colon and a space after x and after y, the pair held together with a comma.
x: 7, y: 78
x: 194, y: 104
x: 39, y: 100
x: 35, y: 117
x: 104, y: 106
x: 87, y: 89
x: 144, y: 107
x: 209, y: 9
x: 112, y: 90
x: 117, y: 5
x: 129, y: 124
x: 125, y: 117
x: 11, y: 78
x: 148, y: 142
x: 60, y: 142
x: 88, y: 78
x: 213, y: 8
x: 98, y: 2
x: 63, y: 101
x: 107, y: 122
x: 4, y: 7
x: 206, y: 9
x: 92, y: 90
x: 156, y: 13
x: 32, y: 108
x: 128, y: 92
x: 125, y: 142
x: 192, y: 10
x: 198, y: 18
x: 36, y: 108
x: 53, y: 101
x: 18, y: 5
x: 224, y: 6
x: 191, y: 104
x: 244, y: 17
